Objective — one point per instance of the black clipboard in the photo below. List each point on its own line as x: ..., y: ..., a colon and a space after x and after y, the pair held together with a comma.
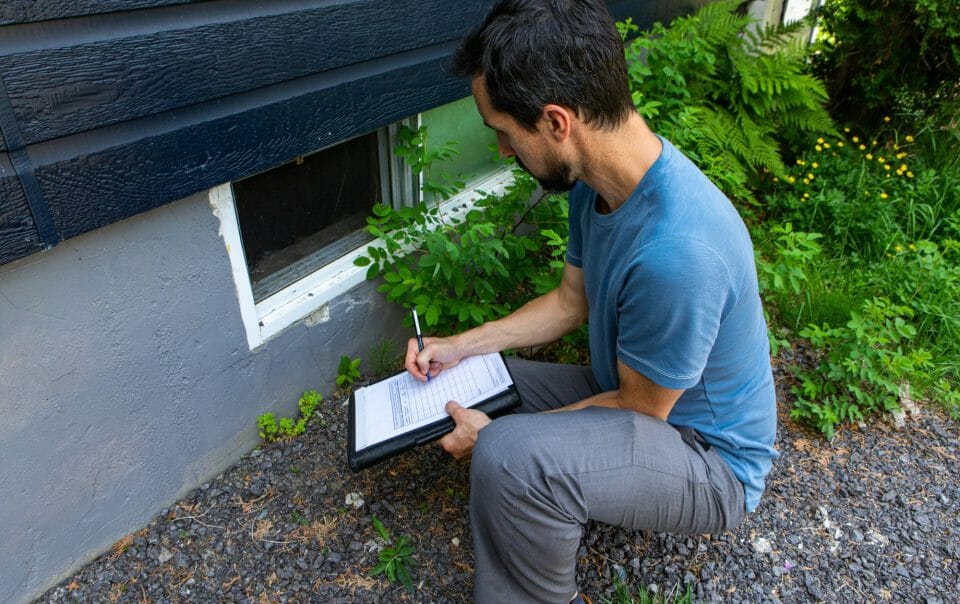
x: 358, y: 460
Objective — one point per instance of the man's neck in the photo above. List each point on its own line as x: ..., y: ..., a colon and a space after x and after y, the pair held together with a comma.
x: 613, y: 163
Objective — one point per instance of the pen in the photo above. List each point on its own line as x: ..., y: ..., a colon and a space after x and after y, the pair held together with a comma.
x: 416, y: 326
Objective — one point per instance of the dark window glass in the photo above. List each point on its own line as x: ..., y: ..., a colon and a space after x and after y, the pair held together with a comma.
x: 302, y: 215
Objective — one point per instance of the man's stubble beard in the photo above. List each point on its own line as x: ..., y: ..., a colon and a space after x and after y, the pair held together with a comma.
x: 558, y: 178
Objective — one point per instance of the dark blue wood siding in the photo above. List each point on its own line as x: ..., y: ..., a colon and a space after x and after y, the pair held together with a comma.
x: 26, y: 11
x: 109, y: 108
x: 18, y: 234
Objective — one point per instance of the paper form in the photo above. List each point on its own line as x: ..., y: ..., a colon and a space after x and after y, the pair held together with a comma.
x: 400, y: 404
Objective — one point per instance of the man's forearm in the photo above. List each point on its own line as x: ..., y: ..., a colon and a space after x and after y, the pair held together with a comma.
x: 616, y: 399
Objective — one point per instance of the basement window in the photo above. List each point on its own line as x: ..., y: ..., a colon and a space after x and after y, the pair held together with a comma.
x: 292, y: 232
x: 299, y: 217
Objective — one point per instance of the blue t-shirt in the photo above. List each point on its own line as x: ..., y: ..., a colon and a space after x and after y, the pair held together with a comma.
x: 672, y: 288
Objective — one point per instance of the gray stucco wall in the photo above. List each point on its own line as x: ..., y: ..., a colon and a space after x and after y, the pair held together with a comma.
x: 126, y: 381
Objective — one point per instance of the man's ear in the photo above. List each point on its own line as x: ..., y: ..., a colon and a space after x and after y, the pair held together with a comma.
x: 558, y: 121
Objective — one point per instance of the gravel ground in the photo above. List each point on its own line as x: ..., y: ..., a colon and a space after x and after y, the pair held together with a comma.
x: 872, y: 516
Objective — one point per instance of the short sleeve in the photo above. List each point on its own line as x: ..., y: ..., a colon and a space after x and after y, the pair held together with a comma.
x: 670, y: 308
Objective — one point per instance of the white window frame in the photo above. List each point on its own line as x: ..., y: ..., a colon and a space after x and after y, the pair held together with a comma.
x: 308, y: 298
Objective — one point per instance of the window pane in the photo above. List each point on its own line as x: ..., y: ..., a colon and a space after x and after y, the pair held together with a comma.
x: 460, y: 122
x: 297, y: 217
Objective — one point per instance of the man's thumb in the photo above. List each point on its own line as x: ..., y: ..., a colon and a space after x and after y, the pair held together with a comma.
x: 454, y: 410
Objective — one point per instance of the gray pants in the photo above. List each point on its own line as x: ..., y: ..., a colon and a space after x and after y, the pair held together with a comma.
x: 535, y: 480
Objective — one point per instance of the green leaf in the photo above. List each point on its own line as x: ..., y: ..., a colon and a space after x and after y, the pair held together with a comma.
x: 405, y: 577
x: 381, y: 529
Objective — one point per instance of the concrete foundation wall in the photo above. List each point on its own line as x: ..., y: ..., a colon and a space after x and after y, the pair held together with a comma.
x: 126, y: 381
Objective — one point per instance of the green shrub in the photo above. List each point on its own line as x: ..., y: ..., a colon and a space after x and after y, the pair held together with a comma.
x: 460, y: 272
x: 790, y: 252
x: 862, y: 367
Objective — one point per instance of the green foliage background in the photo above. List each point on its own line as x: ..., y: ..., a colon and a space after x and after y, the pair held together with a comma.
x: 880, y: 57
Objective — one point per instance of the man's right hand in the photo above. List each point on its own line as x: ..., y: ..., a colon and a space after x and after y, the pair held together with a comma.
x: 437, y: 354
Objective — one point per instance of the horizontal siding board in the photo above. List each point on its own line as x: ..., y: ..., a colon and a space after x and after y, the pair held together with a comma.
x: 61, y: 91
x: 18, y: 235
x: 90, y: 190
x: 29, y: 11
x: 645, y: 12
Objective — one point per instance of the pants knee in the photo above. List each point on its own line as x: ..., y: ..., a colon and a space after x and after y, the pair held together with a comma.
x: 500, y: 459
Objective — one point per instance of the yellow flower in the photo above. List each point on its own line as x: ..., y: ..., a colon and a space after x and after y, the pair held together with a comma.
x: 800, y: 162
x: 862, y: 147
x: 806, y: 181
x: 909, y: 174
x: 883, y: 196
x: 886, y: 118
x: 886, y: 167
x: 826, y: 145
x: 856, y: 139
x: 839, y: 143
x: 846, y: 129
x: 912, y: 247
x: 820, y: 140
x: 814, y: 165
x: 869, y: 155
x: 908, y: 138
x: 873, y: 143
x: 818, y: 148
x: 881, y: 160
x: 775, y: 179
x: 810, y: 175
x: 898, y: 248
x: 791, y: 179
x: 806, y: 196
x: 903, y: 167
x: 901, y: 155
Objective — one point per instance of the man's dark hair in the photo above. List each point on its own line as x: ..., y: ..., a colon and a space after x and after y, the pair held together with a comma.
x: 535, y: 52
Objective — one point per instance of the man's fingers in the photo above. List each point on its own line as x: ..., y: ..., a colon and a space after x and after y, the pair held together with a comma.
x: 411, y: 362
